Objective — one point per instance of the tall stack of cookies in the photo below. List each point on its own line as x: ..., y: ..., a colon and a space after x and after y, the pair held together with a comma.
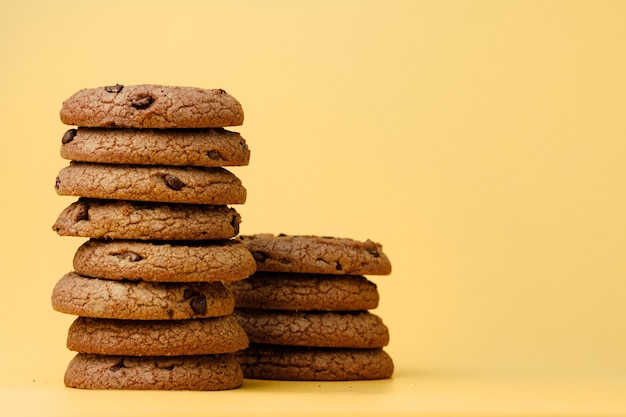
x: 147, y: 163
x: 306, y: 309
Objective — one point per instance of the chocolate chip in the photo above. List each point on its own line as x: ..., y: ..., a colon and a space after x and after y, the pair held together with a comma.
x: 142, y: 102
x: 338, y: 266
x: 57, y: 183
x: 129, y: 256
x: 188, y: 293
x: 173, y: 182
x: 69, y: 136
x: 198, y: 304
x: 215, y: 155
x: 372, y: 248
x: 118, y: 365
x: 113, y: 88
x: 81, y: 212
x: 234, y: 222
x: 259, y: 256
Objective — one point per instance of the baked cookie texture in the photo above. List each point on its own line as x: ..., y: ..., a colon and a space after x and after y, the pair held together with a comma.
x: 184, y: 147
x: 192, y: 185
x: 156, y: 337
x: 317, y: 255
x: 307, y: 309
x: 304, y: 292
x: 138, y: 300
x: 162, y: 261
x: 292, y: 363
x: 147, y: 165
x: 121, y: 219
x: 151, y: 106
x: 320, y: 329
x: 191, y: 373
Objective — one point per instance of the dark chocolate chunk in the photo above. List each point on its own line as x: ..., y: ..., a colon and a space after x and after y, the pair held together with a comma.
x: 372, y: 248
x: 198, y: 304
x: 118, y: 365
x: 173, y: 182
x: 259, y: 256
x: 142, y: 101
x: 235, y: 223
x: 69, y: 136
x: 81, y: 212
x: 113, y: 88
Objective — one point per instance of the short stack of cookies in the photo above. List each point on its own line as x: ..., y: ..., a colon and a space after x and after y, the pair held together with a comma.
x: 306, y: 309
x: 147, y: 163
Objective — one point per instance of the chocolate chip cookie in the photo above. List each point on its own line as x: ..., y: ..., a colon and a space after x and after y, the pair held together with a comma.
x: 156, y: 337
x: 321, y: 329
x: 193, y: 373
x: 121, y: 219
x: 162, y: 261
x: 314, y: 364
x: 194, y: 185
x: 139, y: 300
x: 304, y: 292
x: 151, y: 106
x: 317, y: 255
x: 185, y: 147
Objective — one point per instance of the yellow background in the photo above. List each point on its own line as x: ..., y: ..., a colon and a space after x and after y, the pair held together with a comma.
x: 483, y: 143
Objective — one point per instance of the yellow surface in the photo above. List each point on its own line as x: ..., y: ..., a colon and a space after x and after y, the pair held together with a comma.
x: 483, y: 143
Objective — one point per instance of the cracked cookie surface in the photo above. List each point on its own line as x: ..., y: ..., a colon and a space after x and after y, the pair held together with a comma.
x: 139, y: 300
x: 156, y: 337
x: 168, y: 184
x: 291, y: 363
x: 317, y: 255
x: 193, y: 373
x: 185, y: 147
x: 121, y: 219
x: 302, y: 292
x: 192, y: 261
x: 321, y: 329
x: 151, y: 106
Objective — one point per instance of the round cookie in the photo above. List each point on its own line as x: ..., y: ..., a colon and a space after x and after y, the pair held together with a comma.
x: 156, y: 337
x: 151, y: 106
x: 192, y: 373
x: 195, y: 185
x: 302, y: 292
x: 121, y: 219
x: 291, y: 363
x: 139, y: 300
x: 185, y: 147
x: 317, y: 255
x: 185, y: 261
x: 321, y: 329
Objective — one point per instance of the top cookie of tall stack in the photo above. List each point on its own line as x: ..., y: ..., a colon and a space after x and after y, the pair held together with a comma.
x: 151, y: 106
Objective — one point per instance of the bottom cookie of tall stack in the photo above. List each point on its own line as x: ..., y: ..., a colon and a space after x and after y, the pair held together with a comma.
x: 306, y: 310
